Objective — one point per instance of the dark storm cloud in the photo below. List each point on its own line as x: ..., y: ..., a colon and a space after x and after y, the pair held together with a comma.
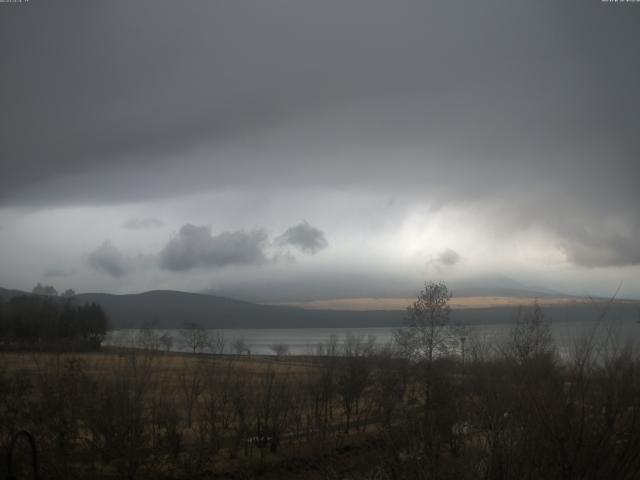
x: 603, y: 248
x: 195, y: 247
x: 593, y: 231
x: 108, y: 259
x: 142, y: 223
x: 448, y: 257
x: 305, y: 237
x: 528, y: 103
x: 506, y: 83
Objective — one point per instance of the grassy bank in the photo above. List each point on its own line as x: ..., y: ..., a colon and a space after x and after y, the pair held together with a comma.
x: 513, y: 410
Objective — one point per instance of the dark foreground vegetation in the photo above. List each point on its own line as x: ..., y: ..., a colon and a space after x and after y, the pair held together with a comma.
x: 437, y: 404
x: 49, y: 322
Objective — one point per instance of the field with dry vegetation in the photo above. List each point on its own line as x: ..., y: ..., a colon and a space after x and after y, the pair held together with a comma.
x: 414, y: 410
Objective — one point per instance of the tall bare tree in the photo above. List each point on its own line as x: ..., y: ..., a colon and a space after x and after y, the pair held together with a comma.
x: 195, y: 336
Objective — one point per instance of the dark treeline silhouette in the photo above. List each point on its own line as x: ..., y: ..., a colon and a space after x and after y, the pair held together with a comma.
x: 31, y: 320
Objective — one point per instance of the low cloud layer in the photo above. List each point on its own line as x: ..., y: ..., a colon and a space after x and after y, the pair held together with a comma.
x: 109, y: 260
x: 603, y: 249
x: 142, y: 223
x: 305, y: 237
x: 55, y: 272
x: 195, y: 247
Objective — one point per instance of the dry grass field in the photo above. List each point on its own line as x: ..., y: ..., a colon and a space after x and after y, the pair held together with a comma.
x: 216, y: 415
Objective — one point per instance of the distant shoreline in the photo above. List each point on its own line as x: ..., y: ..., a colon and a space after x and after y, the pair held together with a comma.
x: 477, y: 301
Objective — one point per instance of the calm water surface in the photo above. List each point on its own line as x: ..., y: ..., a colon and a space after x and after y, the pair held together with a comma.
x: 304, y: 341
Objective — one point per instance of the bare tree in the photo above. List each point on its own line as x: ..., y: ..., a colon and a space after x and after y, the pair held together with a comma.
x: 191, y: 382
x: 354, y: 375
x: 116, y: 415
x: 147, y: 337
x: 166, y: 340
x: 241, y: 413
x: 325, y: 388
x: 426, y: 331
x: 195, y: 337
x: 216, y: 404
x: 531, y: 337
x: 280, y: 349
x: 217, y: 343
x: 240, y: 346
x: 425, y: 338
x: 272, y: 398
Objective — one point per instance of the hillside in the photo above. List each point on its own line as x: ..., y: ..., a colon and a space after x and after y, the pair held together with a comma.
x: 172, y: 309
x: 6, y: 294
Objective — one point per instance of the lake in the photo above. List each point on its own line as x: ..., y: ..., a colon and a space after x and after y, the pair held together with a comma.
x: 304, y: 341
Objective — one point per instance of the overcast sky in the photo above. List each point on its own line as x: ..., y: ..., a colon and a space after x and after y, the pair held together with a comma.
x: 299, y: 150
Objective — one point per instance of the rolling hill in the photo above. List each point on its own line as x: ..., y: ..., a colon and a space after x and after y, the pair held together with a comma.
x: 167, y: 309
x: 172, y: 309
